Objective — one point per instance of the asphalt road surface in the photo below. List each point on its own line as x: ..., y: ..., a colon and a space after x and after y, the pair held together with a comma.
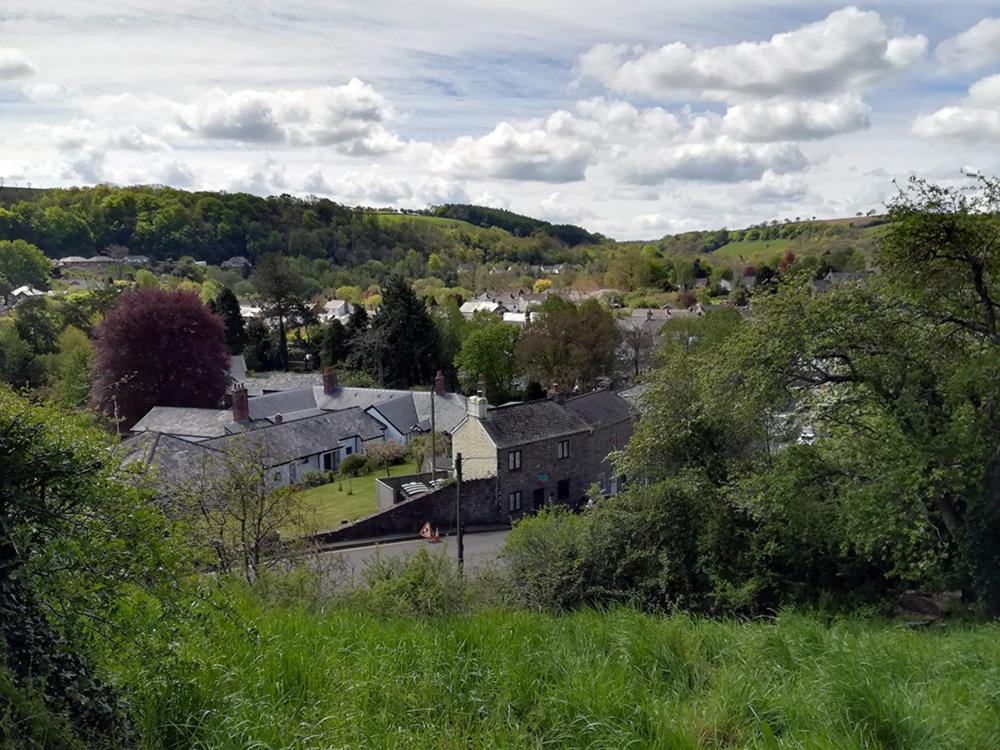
x: 481, y: 550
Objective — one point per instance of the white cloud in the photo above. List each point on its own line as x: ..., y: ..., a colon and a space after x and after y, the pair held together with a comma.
x: 556, y: 149
x: 778, y: 188
x: 84, y: 133
x: 267, y: 179
x: 849, y: 50
x: 976, y: 119
x: 785, y: 120
x: 559, y: 210
x: 349, y: 117
x: 176, y: 174
x: 972, y: 49
x: 14, y: 64
x: 718, y: 161
x: 372, y: 189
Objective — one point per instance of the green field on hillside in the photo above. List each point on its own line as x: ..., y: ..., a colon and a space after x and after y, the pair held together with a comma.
x: 753, y: 251
x: 316, y: 677
x: 439, y: 221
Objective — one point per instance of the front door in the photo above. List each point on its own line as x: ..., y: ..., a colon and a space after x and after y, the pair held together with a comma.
x: 538, y: 498
x: 562, y: 490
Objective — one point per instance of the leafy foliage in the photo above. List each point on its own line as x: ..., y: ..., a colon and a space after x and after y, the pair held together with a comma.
x: 158, y: 348
x: 76, y: 537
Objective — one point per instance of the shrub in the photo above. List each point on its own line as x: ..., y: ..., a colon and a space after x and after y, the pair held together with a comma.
x: 423, y: 583
x: 354, y: 466
x: 545, y: 557
x: 383, y: 455
x: 314, y: 479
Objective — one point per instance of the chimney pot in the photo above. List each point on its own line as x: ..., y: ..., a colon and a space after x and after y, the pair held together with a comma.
x: 241, y: 404
x: 439, y: 383
x: 329, y: 380
x: 481, y: 386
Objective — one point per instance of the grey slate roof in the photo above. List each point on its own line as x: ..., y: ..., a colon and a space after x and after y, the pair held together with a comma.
x: 237, y: 368
x: 600, y: 408
x: 283, y: 402
x: 306, y: 437
x: 531, y: 421
x: 185, y: 421
x: 165, y: 458
x: 400, y: 412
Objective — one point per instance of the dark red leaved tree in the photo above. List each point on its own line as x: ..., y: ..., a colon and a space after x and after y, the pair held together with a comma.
x: 158, y: 348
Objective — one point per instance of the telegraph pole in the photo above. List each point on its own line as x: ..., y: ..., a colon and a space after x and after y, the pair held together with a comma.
x: 433, y: 435
x: 458, y: 510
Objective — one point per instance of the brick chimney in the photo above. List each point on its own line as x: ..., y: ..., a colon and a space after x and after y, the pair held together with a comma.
x: 241, y: 404
x: 329, y: 380
x: 439, y: 383
x: 481, y: 386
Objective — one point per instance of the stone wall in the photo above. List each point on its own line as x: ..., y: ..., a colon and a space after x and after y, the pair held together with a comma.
x: 480, y: 507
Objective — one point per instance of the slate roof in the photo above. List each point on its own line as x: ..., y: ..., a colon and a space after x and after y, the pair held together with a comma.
x: 185, y: 421
x: 600, y: 408
x: 530, y: 422
x: 282, y: 402
x: 306, y: 437
x: 237, y: 368
x: 166, y: 458
x: 400, y: 412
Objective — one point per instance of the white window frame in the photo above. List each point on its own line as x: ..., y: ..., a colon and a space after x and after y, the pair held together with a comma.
x: 563, y: 451
x: 514, y: 460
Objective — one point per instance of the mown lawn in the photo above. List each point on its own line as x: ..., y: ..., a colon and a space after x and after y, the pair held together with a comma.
x: 344, y: 500
x: 308, y: 677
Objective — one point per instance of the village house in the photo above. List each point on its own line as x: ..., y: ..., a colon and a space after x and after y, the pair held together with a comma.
x: 545, y: 452
x: 236, y: 263
x: 401, y: 413
x: 336, y: 309
x: 291, y: 449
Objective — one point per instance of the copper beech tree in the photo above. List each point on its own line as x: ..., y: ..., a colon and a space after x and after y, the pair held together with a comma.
x: 158, y: 348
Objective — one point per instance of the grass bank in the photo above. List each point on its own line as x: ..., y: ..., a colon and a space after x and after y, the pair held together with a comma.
x: 331, y: 679
x: 327, y: 505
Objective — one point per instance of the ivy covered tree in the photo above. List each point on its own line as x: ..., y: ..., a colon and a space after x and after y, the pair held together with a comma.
x: 402, y: 341
x: 227, y: 307
x: 334, y: 343
x: 77, y: 537
x: 158, y: 348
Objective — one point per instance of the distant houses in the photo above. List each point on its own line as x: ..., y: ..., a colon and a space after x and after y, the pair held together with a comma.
x: 99, y: 263
x: 307, y: 415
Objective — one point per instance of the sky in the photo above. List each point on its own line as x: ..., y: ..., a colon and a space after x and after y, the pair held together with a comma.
x: 633, y: 118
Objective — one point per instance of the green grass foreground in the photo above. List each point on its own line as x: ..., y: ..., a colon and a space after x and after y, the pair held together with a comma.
x: 326, y: 506
x: 346, y: 679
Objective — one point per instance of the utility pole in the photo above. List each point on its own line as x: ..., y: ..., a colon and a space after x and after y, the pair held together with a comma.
x: 433, y: 435
x: 458, y: 510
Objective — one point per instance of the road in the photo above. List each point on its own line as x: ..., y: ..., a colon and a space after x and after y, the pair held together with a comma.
x: 481, y: 550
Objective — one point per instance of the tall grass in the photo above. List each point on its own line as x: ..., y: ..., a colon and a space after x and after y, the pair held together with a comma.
x: 315, y: 678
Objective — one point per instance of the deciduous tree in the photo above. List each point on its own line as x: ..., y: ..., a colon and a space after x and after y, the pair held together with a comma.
x: 159, y: 348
